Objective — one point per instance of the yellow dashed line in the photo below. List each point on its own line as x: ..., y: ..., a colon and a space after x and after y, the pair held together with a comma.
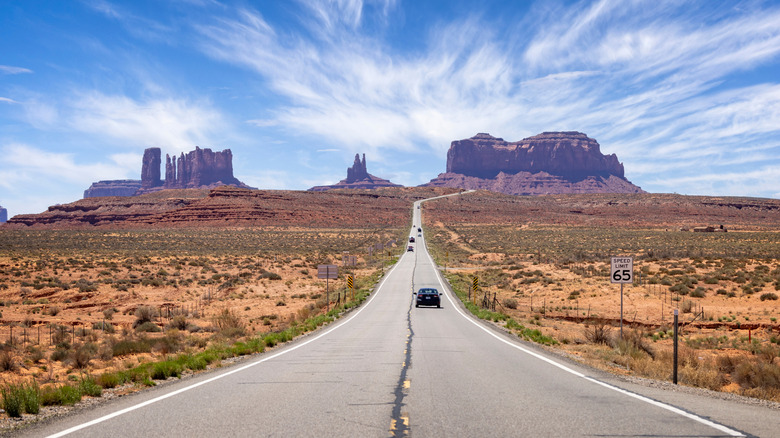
x: 407, y: 384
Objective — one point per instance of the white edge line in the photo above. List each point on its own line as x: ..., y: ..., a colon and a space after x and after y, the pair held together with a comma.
x: 195, y: 385
x: 661, y: 405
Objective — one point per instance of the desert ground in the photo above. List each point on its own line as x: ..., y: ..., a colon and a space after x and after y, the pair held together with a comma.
x: 550, y: 283
x: 101, y: 309
x: 89, y: 309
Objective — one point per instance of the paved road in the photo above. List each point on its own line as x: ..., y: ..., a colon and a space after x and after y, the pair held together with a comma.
x: 390, y: 369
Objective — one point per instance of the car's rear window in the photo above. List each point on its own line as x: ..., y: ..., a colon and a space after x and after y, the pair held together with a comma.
x: 427, y: 291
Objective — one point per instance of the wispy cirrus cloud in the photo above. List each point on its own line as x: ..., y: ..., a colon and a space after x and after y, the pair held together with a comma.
x: 618, y: 71
x: 11, y: 70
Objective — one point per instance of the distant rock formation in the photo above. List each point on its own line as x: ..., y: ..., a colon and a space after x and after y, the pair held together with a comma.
x: 357, y: 178
x: 548, y: 163
x: 201, y: 168
x: 3, y: 215
x: 120, y: 187
x: 150, y: 168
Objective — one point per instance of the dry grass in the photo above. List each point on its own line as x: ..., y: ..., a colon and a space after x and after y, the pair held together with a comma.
x: 559, y: 278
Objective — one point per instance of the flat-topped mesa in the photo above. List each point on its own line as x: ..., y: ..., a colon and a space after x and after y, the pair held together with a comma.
x: 357, y: 178
x: 548, y: 163
x: 568, y: 154
x: 198, y: 168
x: 121, y: 187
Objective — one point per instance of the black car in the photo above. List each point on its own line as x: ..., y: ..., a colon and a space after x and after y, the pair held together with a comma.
x: 428, y: 296
x: 411, y: 239
x: 411, y: 248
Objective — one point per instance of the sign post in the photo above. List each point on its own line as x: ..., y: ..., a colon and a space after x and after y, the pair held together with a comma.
x: 327, y: 272
x: 622, y: 272
x: 351, y: 285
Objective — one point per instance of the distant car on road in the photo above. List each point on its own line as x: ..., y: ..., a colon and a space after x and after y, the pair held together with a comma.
x: 427, y: 296
x: 419, y: 230
x: 411, y: 248
x: 411, y: 239
x: 419, y: 234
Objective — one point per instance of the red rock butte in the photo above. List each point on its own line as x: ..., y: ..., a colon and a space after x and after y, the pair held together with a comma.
x: 548, y: 163
x: 201, y: 168
x: 357, y: 178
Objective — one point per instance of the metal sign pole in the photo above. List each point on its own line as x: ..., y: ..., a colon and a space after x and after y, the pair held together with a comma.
x: 621, y: 310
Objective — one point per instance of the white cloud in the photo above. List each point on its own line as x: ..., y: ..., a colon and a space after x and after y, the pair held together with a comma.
x: 29, y: 164
x: 172, y: 124
x: 11, y: 70
x: 32, y: 179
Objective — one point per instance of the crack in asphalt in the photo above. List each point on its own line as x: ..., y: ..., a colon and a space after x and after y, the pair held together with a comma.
x: 399, y: 425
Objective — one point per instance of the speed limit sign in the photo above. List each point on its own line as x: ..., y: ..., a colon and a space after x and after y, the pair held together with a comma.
x: 622, y: 270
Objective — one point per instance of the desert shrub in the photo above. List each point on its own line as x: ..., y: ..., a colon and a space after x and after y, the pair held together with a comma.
x: 8, y: 361
x: 21, y: 397
x: 59, y: 354
x: 229, y: 323
x: 170, y: 343
x: 634, y: 343
x: 89, y: 386
x: 179, y: 322
x: 755, y: 374
x: 686, y: 306
x: 60, y: 395
x: 143, y: 314
x: 702, y: 376
x: 598, y: 332
x: 510, y: 303
x: 270, y: 275
x: 699, y: 292
x: 82, y: 354
x: 85, y: 285
x: 108, y: 314
x: 768, y: 353
x: 35, y: 354
x: 129, y: 346
x: 195, y: 363
x: 31, y: 398
x: 726, y: 364
x: 166, y: 369
x: 61, y: 337
x: 12, y: 400
x: 768, y: 296
x: 108, y: 380
x: 148, y: 327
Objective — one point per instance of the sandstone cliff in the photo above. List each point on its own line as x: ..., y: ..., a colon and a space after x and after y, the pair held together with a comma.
x: 201, y: 168
x: 551, y: 162
x: 357, y: 178
x: 228, y: 206
x: 198, y: 168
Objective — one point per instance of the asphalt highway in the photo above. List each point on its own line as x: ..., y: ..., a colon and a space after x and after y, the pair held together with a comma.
x: 390, y: 369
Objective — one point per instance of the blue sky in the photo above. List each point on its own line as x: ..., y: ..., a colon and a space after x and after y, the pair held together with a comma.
x: 686, y: 93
